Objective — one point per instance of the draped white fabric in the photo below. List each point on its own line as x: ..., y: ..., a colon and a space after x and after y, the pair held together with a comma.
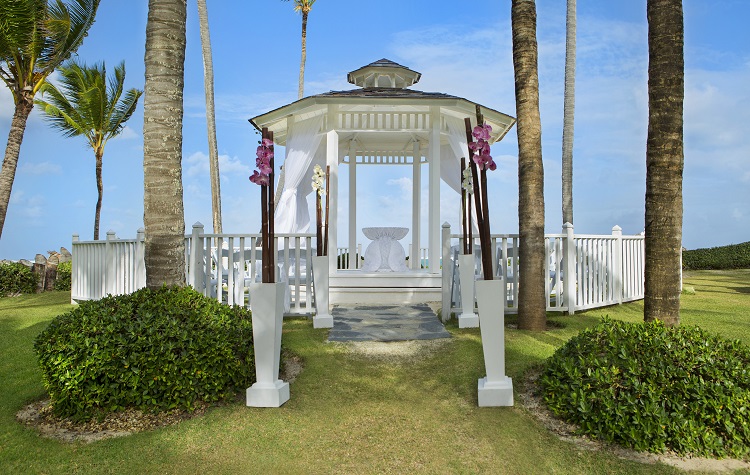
x: 450, y: 155
x: 302, y: 152
x: 450, y: 161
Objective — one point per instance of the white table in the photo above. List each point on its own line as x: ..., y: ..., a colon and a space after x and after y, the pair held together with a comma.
x: 385, y: 253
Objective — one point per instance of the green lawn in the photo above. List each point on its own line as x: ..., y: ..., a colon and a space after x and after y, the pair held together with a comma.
x: 349, y: 412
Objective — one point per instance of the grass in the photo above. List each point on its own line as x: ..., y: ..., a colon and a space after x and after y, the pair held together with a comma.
x: 350, y: 412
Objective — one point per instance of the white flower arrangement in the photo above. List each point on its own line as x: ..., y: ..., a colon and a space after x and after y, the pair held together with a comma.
x: 467, y: 182
x: 318, y: 180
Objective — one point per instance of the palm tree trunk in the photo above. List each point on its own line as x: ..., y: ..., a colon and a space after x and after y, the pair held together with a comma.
x: 301, y: 91
x: 100, y: 191
x: 664, y: 161
x: 12, y: 152
x: 568, y: 113
x: 163, y: 213
x: 532, y: 306
x: 208, y: 85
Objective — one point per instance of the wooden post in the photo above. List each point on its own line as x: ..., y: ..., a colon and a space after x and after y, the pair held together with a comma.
x: 480, y: 199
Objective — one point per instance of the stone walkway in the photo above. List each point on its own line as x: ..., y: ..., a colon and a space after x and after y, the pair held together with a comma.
x: 385, y: 323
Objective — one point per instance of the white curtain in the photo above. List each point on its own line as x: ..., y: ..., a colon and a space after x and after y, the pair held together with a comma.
x: 302, y: 144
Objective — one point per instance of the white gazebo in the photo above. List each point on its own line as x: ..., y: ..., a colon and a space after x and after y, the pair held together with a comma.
x: 382, y: 122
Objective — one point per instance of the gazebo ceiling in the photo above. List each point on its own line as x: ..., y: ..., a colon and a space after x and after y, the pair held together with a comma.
x: 386, y: 117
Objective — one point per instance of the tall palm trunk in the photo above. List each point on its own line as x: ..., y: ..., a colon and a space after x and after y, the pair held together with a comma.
x: 163, y: 213
x: 99, y: 153
x: 568, y: 113
x: 532, y: 305
x: 301, y: 91
x: 208, y: 85
x: 664, y: 160
x: 12, y: 151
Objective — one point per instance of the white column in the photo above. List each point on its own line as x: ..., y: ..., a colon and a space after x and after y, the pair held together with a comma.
x: 332, y: 160
x: 416, y: 180
x: 352, y: 206
x: 434, y: 178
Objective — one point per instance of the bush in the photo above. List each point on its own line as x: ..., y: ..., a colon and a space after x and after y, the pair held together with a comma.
x: 63, y: 281
x: 736, y: 256
x: 16, y: 278
x: 654, y: 388
x: 152, y: 350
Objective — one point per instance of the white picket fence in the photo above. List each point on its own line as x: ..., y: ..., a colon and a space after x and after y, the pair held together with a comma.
x: 605, y: 270
x: 221, y: 266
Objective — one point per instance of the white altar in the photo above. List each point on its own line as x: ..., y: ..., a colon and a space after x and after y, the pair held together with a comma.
x: 385, y: 253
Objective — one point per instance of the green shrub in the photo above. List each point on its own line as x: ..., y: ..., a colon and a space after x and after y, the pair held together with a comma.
x: 152, y: 350
x: 654, y: 388
x: 62, y: 282
x: 736, y: 256
x: 16, y: 278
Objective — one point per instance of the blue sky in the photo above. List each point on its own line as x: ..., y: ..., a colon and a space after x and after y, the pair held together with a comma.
x: 460, y: 51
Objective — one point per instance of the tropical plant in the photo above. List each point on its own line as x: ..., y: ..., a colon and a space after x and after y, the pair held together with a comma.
x: 208, y: 85
x: 650, y: 387
x: 532, y: 307
x: 87, y: 103
x: 16, y: 278
x: 35, y: 38
x: 163, y: 211
x: 303, y: 7
x: 664, y: 161
x: 569, y: 102
x: 155, y: 350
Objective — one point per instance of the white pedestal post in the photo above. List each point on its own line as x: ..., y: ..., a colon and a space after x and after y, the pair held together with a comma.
x: 467, y: 319
x: 496, y: 389
x: 267, y: 301
x: 323, y: 317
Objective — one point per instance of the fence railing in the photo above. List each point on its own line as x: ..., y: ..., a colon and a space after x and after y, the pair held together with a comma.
x: 220, y: 266
x: 604, y: 270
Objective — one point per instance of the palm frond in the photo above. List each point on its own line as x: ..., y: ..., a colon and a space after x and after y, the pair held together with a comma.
x: 66, y: 26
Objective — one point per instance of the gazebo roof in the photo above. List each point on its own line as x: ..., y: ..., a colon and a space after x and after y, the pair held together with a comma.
x: 383, y: 73
x: 392, y: 99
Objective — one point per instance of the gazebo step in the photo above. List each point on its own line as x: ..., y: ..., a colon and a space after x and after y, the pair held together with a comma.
x: 384, y: 295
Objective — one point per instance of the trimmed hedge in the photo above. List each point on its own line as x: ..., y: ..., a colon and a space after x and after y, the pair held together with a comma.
x: 654, y: 388
x: 153, y: 350
x: 735, y: 256
x: 63, y: 280
x: 16, y: 278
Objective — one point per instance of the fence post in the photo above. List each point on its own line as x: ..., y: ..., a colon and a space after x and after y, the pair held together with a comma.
x: 109, y: 265
x: 617, y: 263
x: 196, y: 267
x: 447, y: 269
x: 569, y: 268
x: 140, y: 259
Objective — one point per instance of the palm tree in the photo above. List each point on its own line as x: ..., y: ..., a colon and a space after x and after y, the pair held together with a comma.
x: 304, y: 7
x: 568, y: 113
x: 664, y: 160
x: 163, y: 212
x: 532, y: 307
x: 208, y: 85
x: 86, y: 104
x: 35, y: 38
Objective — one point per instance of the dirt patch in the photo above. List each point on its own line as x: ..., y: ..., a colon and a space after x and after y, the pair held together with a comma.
x: 39, y: 415
x: 530, y: 400
x: 396, y: 350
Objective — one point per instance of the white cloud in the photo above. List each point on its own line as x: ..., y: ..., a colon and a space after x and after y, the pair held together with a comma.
x: 128, y: 133
x: 41, y: 168
x: 229, y: 167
